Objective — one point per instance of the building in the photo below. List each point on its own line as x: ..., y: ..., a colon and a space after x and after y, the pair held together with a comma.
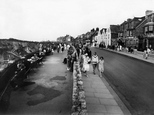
x: 103, y: 37
x: 149, y: 29
x: 139, y: 32
x: 97, y: 38
x: 134, y: 30
x: 113, y: 34
x: 106, y: 36
x: 65, y: 39
x: 130, y: 31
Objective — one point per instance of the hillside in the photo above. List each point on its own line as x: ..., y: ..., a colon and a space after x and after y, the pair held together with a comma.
x: 13, y: 49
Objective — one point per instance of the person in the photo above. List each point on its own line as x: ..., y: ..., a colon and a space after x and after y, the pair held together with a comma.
x: 89, y: 53
x: 67, y: 47
x: 69, y: 58
x: 62, y: 48
x: 101, y: 66
x: 145, y: 55
x: 94, y: 62
x: 86, y: 62
x: 148, y: 50
x: 58, y: 48
x: 120, y: 48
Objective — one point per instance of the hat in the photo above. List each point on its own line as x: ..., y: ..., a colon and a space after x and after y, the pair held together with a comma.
x: 86, y: 54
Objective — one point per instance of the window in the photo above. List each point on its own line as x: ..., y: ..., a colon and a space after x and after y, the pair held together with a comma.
x: 132, y: 24
x: 150, y: 28
x: 146, y: 29
x: 130, y: 33
x: 127, y: 33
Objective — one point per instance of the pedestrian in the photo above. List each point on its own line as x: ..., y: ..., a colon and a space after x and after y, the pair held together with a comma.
x: 89, y: 53
x: 94, y: 62
x: 101, y: 66
x: 120, y: 48
x: 145, y: 54
x: 62, y: 49
x: 68, y: 46
x: 69, y: 58
x: 148, y: 50
x: 58, y: 48
x: 86, y: 64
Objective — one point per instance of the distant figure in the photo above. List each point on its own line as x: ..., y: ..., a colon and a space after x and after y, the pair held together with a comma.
x: 62, y: 49
x: 58, y: 48
x: 148, y: 50
x: 65, y: 61
x: 126, y: 49
x: 101, y: 66
x: 68, y: 46
x: 89, y: 53
x: 146, y: 53
x: 120, y: 48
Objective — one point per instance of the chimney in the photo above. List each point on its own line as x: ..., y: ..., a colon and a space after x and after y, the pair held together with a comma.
x: 129, y: 19
x: 147, y: 12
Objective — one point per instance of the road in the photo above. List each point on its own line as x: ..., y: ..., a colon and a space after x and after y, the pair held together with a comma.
x: 48, y: 90
x: 132, y: 79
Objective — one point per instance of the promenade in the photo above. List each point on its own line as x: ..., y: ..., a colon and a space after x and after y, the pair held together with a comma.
x: 48, y: 90
x: 100, y: 97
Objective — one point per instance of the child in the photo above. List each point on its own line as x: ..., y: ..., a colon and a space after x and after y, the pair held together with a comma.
x: 101, y: 66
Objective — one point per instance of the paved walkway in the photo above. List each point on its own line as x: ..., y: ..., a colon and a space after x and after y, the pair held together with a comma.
x: 100, y: 98
x: 48, y: 91
x: 135, y: 55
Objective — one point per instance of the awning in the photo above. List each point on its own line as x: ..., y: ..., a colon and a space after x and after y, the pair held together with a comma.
x: 149, y: 24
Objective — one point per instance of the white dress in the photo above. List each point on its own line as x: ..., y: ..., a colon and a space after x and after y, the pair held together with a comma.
x: 101, y: 65
x: 86, y: 66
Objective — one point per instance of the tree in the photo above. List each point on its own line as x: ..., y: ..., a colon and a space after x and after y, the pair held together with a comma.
x: 93, y: 30
x: 97, y: 29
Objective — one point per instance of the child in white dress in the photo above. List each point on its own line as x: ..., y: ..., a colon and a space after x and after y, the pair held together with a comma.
x: 101, y: 66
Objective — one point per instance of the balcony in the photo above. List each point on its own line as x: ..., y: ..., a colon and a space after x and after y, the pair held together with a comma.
x: 149, y: 24
x: 149, y: 29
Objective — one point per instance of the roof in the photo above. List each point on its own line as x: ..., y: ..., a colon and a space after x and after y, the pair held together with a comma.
x: 142, y: 22
x: 115, y: 28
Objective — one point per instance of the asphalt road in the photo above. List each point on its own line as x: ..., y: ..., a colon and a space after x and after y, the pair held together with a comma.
x: 132, y: 79
x: 47, y: 91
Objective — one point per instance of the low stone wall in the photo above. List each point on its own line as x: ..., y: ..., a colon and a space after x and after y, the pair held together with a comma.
x: 141, y: 53
x: 151, y: 55
x: 78, y: 96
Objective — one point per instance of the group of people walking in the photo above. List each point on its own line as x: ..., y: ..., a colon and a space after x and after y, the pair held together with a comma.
x: 146, y: 53
x: 95, y: 61
x: 85, y: 58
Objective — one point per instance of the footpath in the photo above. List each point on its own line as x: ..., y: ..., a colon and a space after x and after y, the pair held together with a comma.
x: 136, y: 54
x: 100, y: 97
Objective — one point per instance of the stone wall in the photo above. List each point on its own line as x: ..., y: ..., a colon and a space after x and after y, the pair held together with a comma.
x: 78, y: 97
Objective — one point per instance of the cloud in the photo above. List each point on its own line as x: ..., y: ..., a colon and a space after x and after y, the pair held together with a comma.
x: 49, y: 19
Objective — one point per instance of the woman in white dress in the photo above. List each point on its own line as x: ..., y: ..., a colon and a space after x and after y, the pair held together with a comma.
x: 86, y: 64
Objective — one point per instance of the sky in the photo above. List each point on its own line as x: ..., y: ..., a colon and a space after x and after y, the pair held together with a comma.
x: 41, y: 20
